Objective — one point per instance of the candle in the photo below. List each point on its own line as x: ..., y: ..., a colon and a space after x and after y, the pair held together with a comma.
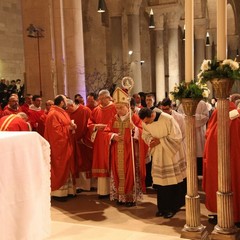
x: 221, y: 29
x: 189, y: 48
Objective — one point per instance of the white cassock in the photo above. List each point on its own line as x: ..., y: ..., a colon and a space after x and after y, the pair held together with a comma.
x: 201, y: 118
x: 168, y: 161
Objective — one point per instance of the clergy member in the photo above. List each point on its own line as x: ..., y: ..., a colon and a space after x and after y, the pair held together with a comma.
x: 58, y: 130
x: 13, y: 106
x: 14, y: 122
x: 162, y: 134
x: 82, y: 145
x: 98, y: 120
x: 35, y: 112
x: 127, y: 165
x: 210, y: 163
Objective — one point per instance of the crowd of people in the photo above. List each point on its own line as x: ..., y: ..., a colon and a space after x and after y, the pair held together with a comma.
x: 122, y: 145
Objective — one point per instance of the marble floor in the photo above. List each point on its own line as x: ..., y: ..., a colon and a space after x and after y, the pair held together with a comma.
x: 87, y: 217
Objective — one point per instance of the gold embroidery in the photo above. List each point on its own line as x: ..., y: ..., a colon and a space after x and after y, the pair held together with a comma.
x: 121, y: 126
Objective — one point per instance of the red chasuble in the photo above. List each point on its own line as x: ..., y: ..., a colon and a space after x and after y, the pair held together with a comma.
x: 8, y: 111
x: 57, y: 133
x: 210, y: 163
x: 100, y: 115
x: 13, y: 123
x: 83, y: 145
x: 41, y: 124
x: 25, y: 108
x: 122, y: 164
x: 34, y: 117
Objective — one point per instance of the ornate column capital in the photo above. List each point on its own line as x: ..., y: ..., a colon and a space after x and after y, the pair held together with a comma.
x: 200, y: 28
x: 132, y: 6
x: 115, y: 8
x: 169, y: 11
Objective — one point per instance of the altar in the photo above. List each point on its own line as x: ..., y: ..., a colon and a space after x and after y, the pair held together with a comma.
x: 24, y: 186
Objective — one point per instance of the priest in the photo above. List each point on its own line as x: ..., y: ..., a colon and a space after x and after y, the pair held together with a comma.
x: 98, y: 120
x: 58, y: 130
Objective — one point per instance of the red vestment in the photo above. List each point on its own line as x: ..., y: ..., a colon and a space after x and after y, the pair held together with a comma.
x: 25, y: 108
x: 13, y: 123
x: 41, y: 123
x: 210, y: 163
x: 121, y: 156
x: 100, y: 115
x: 34, y: 118
x: 83, y: 150
x: 57, y: 133
x: 91, y: 108
x: 7, y: 111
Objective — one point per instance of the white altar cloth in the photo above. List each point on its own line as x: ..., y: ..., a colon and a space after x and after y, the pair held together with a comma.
x: 24, y: 186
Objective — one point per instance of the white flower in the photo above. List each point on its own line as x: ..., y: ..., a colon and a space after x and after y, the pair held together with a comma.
x: 203, y: 86
x: 205, y: 93
x: 233, y: 64
x: 176, y: 88
x: 205, y: 65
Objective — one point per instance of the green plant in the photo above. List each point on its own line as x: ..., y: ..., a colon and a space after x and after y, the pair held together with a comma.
x: 219, y: 69
x: 193, y: 90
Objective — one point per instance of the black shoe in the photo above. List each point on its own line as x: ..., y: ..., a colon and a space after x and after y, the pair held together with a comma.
x: 212, y: 219
x: 169, y: 214
x: 130, y: 204
x: 72, y: 195
x: 103, y: 196
x: 237, y: 224
x: 120, y: 203
x: 159, y: 214
x: 60, y: 199
x: 79, y: 190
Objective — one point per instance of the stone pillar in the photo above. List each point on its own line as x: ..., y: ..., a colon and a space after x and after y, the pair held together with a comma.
x: 134, y: 46
x: 60, y: 50
x: 173, y: 55
x: 159, y: 58
x: 74, y: 49
x: 116, y: 41
x: 200, y: 46
x: 68, y: 47
x: 233, y: 41
x: 37, y: 50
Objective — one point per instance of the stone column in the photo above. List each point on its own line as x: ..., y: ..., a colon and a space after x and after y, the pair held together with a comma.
x: 134, y: 46
x: 200, y: 44
x: 74, y: 49
x: 37, y: 52
x: 159, y: 58
x: 233, y: 41
x: 173, y: 49
x: 116, y: 41
x: 61, y: 48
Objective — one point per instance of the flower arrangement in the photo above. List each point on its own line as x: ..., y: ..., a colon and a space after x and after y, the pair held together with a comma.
x: 211, y: 69
x: 194, y: 90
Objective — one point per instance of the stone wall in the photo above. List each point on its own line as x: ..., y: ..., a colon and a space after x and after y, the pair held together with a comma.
x: 11, y: 41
